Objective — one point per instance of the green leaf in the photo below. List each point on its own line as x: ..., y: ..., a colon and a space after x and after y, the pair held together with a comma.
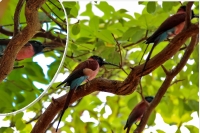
x: 88, y: 11
x: 151, y: 119
x: 20, y: 125
x: 132, y: 102
x: 75, y: 29
x: 167, y: 6
x: 6, y: 130
x: 151, y: 7
x: 74, y: 12
x: 192, y: 128
x: 69, y: 4
x: 43, y: 17
x: 106, y: 36
x: 160, y: 131
x: 18, y: 116
x: 94, y: 23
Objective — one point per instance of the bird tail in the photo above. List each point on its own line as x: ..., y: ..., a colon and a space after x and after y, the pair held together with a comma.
x: 62, y: 84
x: 67, y: 102
x: 143, y: 54
x: 128, y: 129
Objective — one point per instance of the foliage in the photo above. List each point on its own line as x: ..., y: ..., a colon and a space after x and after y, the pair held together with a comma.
x: 20, y: 87
x: 92, y: 36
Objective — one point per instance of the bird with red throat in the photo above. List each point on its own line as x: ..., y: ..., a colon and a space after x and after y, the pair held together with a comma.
x: 85, y: 71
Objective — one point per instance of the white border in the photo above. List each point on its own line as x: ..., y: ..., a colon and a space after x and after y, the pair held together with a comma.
x: 55, y: 76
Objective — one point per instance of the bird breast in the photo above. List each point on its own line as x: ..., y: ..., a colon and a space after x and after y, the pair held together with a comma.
x: 25, y: 52
x: 91, y: 73
x: 179, y: 28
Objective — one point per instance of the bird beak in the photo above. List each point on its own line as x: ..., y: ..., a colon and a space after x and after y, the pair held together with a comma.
x: 107, y: 63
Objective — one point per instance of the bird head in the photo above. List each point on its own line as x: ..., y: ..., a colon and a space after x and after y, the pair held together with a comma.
x: 149, y: 98
x: 183, y: 9
x: 38, y: 47
x: 101, y: 61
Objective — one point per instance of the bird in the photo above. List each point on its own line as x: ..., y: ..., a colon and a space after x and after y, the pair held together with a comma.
x: 30, y: 49
x: 85, y: 71
x: 137, y: 113
x: 169, y: 28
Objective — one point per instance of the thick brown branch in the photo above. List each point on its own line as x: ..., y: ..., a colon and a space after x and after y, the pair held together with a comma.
x: 17, y: 16
x: 167, y: 83
x: 188, y: 14
x: 47, y: 35
x: 126, y: 87
x: 17, y: 42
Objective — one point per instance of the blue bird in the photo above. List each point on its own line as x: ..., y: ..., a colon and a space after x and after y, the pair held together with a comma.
x: 85, y: 71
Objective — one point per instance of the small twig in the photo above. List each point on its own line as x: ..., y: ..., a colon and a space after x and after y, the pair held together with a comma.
x: 55, y: 5
x: 119, y: 49
x: 176, y: 81
x: 120, y: 64
x: 183, y: 48
x: 165, y: 70
x: 23, y: 23
x: 54, y: 13
x: 33, y: 119
x: 142, y: 39
x: 16, y: 16
x: 56, y: 21
x: 17, y: 67
x: 141, y: 92
x: 77, y: 103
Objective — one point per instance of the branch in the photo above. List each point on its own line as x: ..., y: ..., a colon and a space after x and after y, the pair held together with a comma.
x: 188, y: 14
x: 162, y: 90
x: 43, y: 34
x: 126, y: 87
x: 16, y: 16
x: 56, y: 21
x: 121, y: 62
x: 171, y: 49
x: 142, y: 39
x: 5, y: 32
x: 18, y: 41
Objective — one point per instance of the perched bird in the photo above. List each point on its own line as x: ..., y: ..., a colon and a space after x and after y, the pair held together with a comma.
x: 30, y: 49
x: 169, y: 28
x: 137, y: 113
x: 85, y: 71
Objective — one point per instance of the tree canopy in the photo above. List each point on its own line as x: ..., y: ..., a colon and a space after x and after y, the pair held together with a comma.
x: 170, y: 75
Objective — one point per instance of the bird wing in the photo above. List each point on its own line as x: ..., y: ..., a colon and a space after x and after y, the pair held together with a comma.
x: 136, y: 114
x: 73, y: 86
x: 78, y: 71
x: 169, y: 23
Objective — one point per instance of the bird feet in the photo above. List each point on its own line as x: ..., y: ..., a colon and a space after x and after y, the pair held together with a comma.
x: 87, y: 84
